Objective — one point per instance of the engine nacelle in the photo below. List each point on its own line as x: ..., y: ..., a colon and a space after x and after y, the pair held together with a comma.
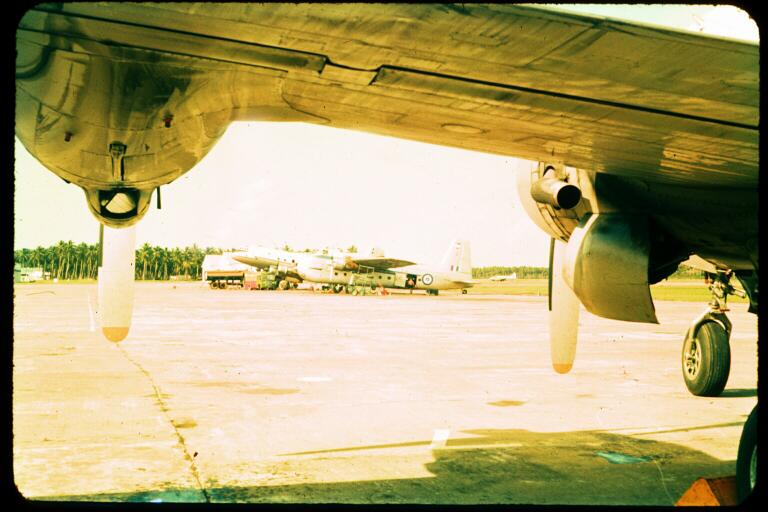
x: 119, y: 207
x: 608, y: 247
x: 555, y: 197
x: 606, y: 265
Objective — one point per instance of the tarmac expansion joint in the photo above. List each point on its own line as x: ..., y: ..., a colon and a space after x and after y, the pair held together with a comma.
x: 166, y: 413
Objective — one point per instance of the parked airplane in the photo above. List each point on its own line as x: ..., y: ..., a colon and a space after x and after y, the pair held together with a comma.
x: 504, y: 278
x: 454, y: 272
x: 646, y: 138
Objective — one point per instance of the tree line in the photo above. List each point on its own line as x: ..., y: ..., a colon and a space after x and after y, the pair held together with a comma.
x: 524, y: 272
x: 67, y: 260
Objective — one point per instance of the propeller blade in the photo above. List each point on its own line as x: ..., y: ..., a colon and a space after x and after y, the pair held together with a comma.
x: 563, y: 312
x: 116, y: 282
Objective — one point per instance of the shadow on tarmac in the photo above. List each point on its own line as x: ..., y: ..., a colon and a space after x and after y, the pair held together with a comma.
x: 738, y: 393
x: 493, y: 466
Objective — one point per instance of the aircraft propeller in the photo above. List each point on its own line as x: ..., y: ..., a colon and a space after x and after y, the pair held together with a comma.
x: 563, y: 312
x: 116, y: 281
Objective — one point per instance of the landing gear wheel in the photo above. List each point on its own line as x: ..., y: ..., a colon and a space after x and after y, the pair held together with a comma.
x: 707, y: 360
x: 282, y: 285
x: 463, y: 292
x: 746, y: 460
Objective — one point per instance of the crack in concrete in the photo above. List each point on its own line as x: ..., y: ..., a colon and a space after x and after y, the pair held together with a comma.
x: 164, y: 408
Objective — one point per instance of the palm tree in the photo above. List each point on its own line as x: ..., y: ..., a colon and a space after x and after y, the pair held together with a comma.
x: 80, y: 253
x: 175, y: 261
x: 142, y: 258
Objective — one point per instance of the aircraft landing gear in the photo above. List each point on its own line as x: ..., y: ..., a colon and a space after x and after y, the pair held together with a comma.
x: 707, y: 360
x: 706, y: 349
x: 746, y: 461
x: 707, y: 355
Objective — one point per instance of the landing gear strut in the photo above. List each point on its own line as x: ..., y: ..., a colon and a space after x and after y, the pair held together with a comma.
x: 706, y: 350
x: 707, y: 360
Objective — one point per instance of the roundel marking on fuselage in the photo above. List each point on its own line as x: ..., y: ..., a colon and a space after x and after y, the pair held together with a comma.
x: 427, y: 279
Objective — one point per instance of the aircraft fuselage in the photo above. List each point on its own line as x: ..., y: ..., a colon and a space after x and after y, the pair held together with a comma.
x: 325, y: 269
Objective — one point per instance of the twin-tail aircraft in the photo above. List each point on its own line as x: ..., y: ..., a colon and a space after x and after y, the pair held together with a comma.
x: 646, y: 138
x: 345, y: 270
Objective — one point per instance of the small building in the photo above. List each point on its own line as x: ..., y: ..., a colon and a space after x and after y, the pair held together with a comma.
x: 27, y: 274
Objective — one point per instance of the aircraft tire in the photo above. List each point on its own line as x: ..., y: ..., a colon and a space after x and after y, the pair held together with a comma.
x: 283, y: 285
x: 746, y: 460
x: 707, y: 360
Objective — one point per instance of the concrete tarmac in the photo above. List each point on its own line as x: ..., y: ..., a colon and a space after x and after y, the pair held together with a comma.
x: 301, y: 397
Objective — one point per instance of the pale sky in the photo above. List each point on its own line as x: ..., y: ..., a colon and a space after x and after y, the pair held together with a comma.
x: 311, y: 186
x: 314, y: 186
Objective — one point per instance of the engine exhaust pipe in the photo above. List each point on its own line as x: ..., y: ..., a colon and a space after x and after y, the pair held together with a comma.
x: 555, y: 192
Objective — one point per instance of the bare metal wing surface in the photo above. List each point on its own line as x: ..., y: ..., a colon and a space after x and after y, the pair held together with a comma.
x: 165, y: 80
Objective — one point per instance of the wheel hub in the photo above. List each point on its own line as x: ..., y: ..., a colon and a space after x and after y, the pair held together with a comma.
x: 693, y: 359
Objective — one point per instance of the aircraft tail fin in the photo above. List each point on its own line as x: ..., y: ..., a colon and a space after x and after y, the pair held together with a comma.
x: 457, y: 258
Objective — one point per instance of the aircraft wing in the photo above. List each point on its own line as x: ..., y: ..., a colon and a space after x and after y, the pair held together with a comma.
x: 121, y: 98
x: 253, y: 262
x: 465, y: 282
x: 263, y: 264
x: 381, y: 263
x: 699, y: 263
x: 512, y: 80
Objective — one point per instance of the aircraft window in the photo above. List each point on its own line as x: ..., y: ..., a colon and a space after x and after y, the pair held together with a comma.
x: 335, y: 273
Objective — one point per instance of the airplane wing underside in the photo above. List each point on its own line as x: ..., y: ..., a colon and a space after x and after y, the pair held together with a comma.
x: 504, y: 79
x: 382, y: 263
